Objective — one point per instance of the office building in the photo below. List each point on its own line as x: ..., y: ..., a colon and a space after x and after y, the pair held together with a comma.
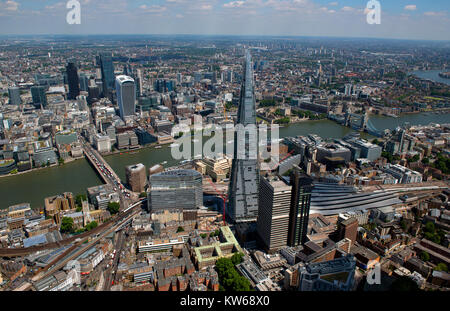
x: 403, y: 174
x: 348, y: 228
x: 180, y: 189
x: 330, y: 152
x: 107, y: 70
x: 73, y: 81
x: 136, y: 177
x: 273, y: 213
x: 299, y: 207
x: 102, y: 143
x: 244, y: 179
x: 333, y: 275
x: 14, y: 96
x: 38, y: 94
x: 126, y: 96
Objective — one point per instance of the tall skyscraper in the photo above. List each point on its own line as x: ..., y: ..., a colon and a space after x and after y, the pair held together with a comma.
x: 244, y: 179
x: 38, y: 93
x: 107, y: 69
x: 126, y: 96
x: 300, y: 206
x: 72, y: 80
x: 139, y: 81
x: 273, y: 214
x: 14, y: 96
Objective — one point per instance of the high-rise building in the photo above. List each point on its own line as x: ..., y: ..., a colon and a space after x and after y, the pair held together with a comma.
x: 136, y: 177
x: 244, y: 180
x: 107, y: 69
x: 348, y: 89
x: 84, y: 82
x: 73, y: 81
x: 126, y: 95
x: 300, y: 206
x: 348, y: 228
x: 176, y: 189
x: 38, y: 93
x: 273, y: 213
x: 139, y: 81
x: 14, y: 96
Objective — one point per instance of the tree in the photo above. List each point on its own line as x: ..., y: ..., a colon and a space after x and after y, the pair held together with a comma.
x: 441, y: 267
x: 425, y: 256
x: 180, y: 229
x: 237, y: 258
x: 203, y: 235
x: 79, y: 199
x: 113, y: 207
x: 229, y: 278
x: 67, y: 225
x: 91, y: 225
x: 143, y: 195
x: 60, y: 161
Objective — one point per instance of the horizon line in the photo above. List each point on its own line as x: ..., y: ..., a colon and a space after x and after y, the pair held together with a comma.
x: 231, y: 35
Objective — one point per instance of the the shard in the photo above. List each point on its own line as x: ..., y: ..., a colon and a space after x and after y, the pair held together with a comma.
x: 244, y: 179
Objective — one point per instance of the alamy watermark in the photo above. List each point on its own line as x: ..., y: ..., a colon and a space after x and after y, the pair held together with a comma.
x: 373, y: 12
x: 74, y: 15
x: 251, y: 141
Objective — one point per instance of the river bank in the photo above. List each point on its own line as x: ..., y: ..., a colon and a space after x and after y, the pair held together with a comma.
x: 78, y: 175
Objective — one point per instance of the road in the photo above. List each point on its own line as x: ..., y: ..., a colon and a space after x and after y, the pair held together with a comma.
x: 111, y: 273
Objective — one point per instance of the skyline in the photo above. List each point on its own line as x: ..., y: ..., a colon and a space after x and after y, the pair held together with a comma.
x: 410, y: 20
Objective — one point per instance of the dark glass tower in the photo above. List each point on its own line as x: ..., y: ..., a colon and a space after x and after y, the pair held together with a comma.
x: 72, y: 80
x: 300, y: 206
x: 107, y: 68
x: 244, y: 179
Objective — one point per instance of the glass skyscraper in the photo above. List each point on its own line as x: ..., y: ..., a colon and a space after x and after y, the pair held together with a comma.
x: 72, y: 80
x: 126, y: 96
x: 107, y: 68
x: 244, y: 179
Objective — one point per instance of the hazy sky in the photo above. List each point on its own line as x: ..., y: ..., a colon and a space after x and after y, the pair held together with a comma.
x: 412, y: 19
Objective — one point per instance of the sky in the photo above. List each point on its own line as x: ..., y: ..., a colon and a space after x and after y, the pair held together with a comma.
x: 400, y: 19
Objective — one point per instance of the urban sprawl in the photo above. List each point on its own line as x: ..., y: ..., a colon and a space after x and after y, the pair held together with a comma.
x: 367, y: 211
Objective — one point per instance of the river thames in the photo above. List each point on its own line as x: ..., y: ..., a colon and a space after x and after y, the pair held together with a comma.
x: 76, y: 176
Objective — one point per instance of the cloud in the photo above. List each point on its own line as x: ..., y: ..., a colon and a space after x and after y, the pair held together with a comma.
x: 431, y: 13
x: 234, y: 4
x: 335, y: 3
x: 348, y: 9
x: 9, y: 5
x: 410, y: 7
x: 152, y: 8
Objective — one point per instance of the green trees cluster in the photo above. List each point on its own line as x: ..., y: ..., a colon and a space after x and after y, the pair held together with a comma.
x: 414, y: 159
x: 390, y: 157
x: 113, y: 207
x: 425, y: 256
x: 79, y: 199
x: 441, y: 267
x: 229, y: 278
x: 67, y: 225
x: 215, y: 233
x: 442, y: 163
x: 310, y: 115
x: 284, y: 120
x: 267, y: 103
x: 430, y: 233
x: 180, y: 229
